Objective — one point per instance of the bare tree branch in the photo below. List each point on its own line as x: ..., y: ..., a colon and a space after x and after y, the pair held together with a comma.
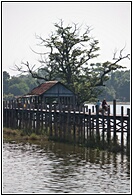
x: 29, y: 70
x: 40, y: 53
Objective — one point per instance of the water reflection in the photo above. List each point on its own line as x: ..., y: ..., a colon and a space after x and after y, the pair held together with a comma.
x: 62, y: 168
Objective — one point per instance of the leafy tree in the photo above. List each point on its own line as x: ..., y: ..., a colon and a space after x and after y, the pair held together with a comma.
x: 68, y: 53
x: 28, y: 80
x: 118, y: 86
x: 123, y: 85
x: 15, y: 86
x: 6, y: 78
x: 19, y: 89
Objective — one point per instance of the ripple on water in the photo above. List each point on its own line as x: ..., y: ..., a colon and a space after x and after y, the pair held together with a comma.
x: 60, y: 168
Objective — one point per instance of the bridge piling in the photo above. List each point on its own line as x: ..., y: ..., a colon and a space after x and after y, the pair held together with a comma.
x: 77, y: 125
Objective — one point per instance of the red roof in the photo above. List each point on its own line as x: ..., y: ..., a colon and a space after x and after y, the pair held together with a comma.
x: 42, y: 88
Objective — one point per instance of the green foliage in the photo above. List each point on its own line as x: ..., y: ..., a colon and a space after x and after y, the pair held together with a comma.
x: 18, y: 135
x: 19, y: 89
x: 33, y: 136
x: 17, y: 86
x: 6, y: 78
x: 118, y: 86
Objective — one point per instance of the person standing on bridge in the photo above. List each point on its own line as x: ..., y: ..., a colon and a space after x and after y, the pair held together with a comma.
x: 104, y: 104
x: 98, y: 104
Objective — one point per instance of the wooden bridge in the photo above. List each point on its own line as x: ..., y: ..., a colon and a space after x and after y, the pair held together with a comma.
x: 69, y: 124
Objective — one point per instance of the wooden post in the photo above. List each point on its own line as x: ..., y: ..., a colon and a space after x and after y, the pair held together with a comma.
x: 59, y: 125
x: 79, y: 126
x: 87, y: 126
x: 74, y: 126
x: 64, y: 124
x: 30, y: 119
x: 15, y: 119
x: 5, y: 116
x: 10, y: 114
x: 103, y: 126
x: 41, y: 117
x: 19, y: 118
x: 33, y: 118
x: 90, y: 125
x: 55, y: 121
x: 93, y: 109
x: 23, y: 114
x: 50, y: 119
x: 37, y: 119
x: 114, y: 117
x: 26, y: 119
x: 108, y: 126
x: 122, y: 126
x: 84, y: 124
x: 87, y: 108
x: 128, y: 127
x: 97, y: 124
x: 69, y: 125
x: 46, y: 118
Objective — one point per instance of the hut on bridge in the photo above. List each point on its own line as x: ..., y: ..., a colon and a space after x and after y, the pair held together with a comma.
x: 51, y: 92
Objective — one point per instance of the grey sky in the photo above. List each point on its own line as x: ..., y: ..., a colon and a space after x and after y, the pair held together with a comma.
x: 110, y: 21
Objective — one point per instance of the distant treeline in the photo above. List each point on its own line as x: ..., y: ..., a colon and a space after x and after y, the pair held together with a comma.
x: 117, y: 87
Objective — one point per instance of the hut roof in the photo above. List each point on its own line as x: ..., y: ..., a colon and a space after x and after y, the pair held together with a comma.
x: 42, y: 88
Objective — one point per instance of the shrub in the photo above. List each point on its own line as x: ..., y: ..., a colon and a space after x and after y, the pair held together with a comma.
x: 33, y: 136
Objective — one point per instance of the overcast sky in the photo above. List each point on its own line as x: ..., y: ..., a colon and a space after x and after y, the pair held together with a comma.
x: 110, y: 21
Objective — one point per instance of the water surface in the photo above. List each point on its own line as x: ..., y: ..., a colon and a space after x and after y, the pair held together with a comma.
x: 62, y: 168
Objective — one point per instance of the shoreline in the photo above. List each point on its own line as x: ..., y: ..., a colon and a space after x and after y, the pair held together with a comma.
x: 19, y: 135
